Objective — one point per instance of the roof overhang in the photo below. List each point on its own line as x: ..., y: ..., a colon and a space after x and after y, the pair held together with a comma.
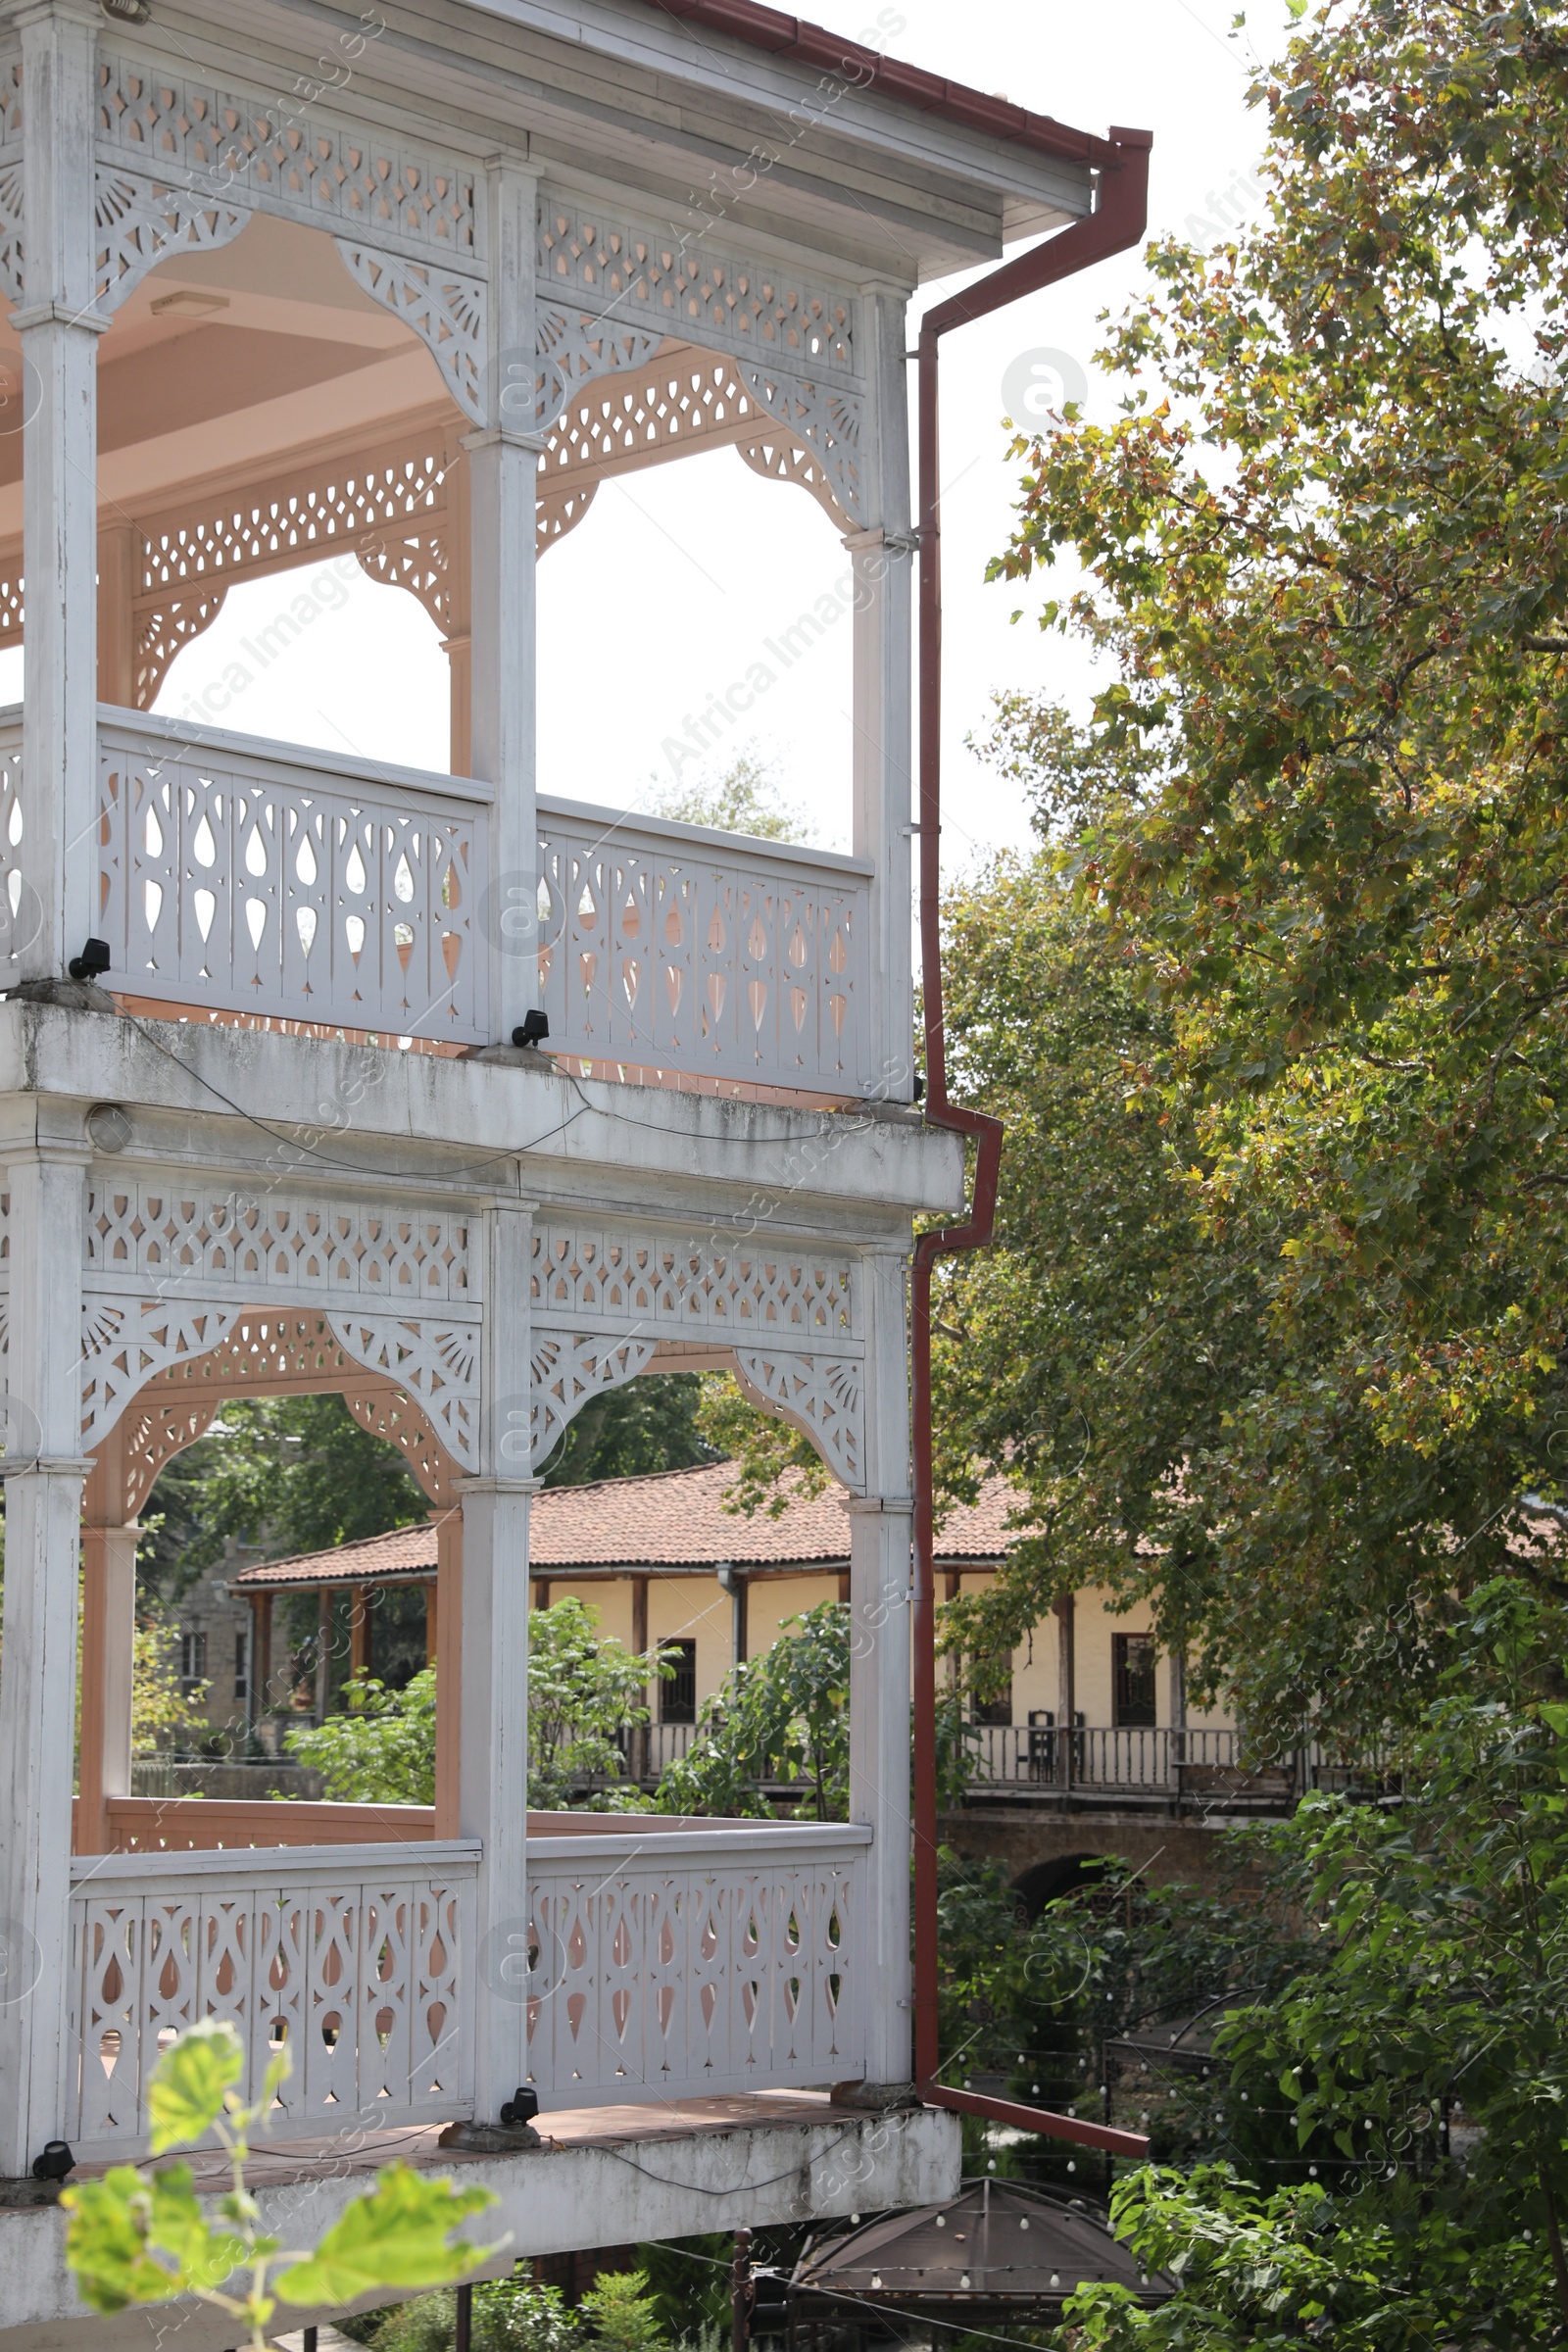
x: 733, y: 117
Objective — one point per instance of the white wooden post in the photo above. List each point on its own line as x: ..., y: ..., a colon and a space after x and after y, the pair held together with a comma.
x: 883, y: 567
x: 59, y: 332
x: 881, y: 1527
x: 38, y: 1651
x: 493, y: 1767
x: 503, y: 494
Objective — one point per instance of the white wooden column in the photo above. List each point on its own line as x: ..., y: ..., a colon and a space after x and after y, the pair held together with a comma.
x: 881, y: 1527
x: 883, y: 565
x: 59, y: 333
x: 503, y: 486
x: 493, y: 1765
x: 38, y: 1650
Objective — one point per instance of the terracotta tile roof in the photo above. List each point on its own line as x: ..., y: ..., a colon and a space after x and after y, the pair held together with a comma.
x: 674, y: 1519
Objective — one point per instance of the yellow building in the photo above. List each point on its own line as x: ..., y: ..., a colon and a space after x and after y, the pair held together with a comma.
x: 665, y: 1563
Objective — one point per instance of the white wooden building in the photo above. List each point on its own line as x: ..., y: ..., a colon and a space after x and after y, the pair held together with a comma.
x: 289, y: 283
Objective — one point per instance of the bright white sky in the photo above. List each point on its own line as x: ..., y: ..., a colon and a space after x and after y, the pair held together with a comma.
x: 668, y: 589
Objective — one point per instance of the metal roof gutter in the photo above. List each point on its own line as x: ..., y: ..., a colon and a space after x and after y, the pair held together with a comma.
x: 813, y: 45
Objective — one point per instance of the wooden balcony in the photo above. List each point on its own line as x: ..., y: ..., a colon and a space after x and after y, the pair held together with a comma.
x: 657, y: 1959
x: 253, y: 881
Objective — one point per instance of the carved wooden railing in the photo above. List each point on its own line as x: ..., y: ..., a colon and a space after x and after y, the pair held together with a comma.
x: 357, y: 1961
x: 666, y: 1959
x: 717, y: 1959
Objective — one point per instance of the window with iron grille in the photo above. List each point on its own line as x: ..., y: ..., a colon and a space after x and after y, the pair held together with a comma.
x: 192, y: 1661
x: 1133, y: 1669
x: 242, y: 1685
x: 678, y: 1698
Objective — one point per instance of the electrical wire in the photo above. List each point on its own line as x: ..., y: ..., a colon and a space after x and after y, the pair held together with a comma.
x: 741, y: 2189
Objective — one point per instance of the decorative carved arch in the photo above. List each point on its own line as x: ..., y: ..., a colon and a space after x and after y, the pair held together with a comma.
x: 266, y: 1354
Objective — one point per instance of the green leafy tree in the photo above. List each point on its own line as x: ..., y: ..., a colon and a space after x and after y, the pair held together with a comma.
x: 744, y: 798
x: 505, y: 2314
x: 780, y: 1718
x: 289, y: 1474
x: 652, y: 1423
x: 583, y: 1694
x: 380, y: 1750
x: 1320, y: 814
x: 137, y: 2237
x: 623, y: 2314
x: 1392, y: 2126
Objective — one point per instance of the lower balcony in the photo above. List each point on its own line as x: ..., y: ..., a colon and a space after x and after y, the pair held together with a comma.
x: 244, y: 880
x: 658, y: 1961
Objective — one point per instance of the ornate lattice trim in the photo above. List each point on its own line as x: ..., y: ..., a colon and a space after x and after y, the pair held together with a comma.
x: 570, y: 1368
x: 140, y: 222
x: 320, y: 170
x: 698, y: 290
x: 11, y: 285
x: 127, y: 1342
x: 827, y: 418
x: 400, y: 1257
x: 162, y: 631
x: 573, y: 349
x: 438, y: 1361
x: 820, y: 1395
x: 445, y: 308
x: 607, y: 1277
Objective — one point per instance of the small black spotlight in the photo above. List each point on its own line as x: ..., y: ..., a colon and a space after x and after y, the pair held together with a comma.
x: 532, y: 1030
x: 919, y: 1086
x: 523, y: 2106
x: 55, y: 2161
x: 93, y: 960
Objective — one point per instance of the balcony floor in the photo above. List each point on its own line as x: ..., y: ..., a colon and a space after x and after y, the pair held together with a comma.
x: 277, y: 2164
x: 604, y: 2176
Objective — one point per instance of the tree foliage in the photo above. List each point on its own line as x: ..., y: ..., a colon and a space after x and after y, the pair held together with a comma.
x: 1314, y: 836
x: 1389, y: 2147
x: 782, y: 1717
x: 135, y: 2236
x: 583, y: 1694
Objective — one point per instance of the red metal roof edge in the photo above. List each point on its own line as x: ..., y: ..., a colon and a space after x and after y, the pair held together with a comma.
x: 769, y: 28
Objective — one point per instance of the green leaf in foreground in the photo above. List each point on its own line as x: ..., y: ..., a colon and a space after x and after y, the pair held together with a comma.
x: 188, y: 2089
x: 137, y: 2238
x: 400, y: 2235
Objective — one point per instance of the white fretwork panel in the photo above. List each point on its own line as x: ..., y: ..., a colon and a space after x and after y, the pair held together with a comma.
x: 126, y: 1343
x: 708, y: 961
x: 829, y: 419
x: 12, y: 235
x: 573, y: 349
x: 681, y: 401
x: 139, y: 223
x: 445, y: 308
x: 360, y: 1974
x: 820, y: 1394
x: 695, y: 290
x: 258, y: 151
x: 249, y: 1243
x: 567, y: 1370
x: 19, y: 899
x: 252, y: 887
x: 283, y: 522
x: 436, y: 1361
x: 609, y: 1278
x: 677, y: 1983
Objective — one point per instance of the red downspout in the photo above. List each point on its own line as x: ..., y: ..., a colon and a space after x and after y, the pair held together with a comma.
x: 1117, y: 222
